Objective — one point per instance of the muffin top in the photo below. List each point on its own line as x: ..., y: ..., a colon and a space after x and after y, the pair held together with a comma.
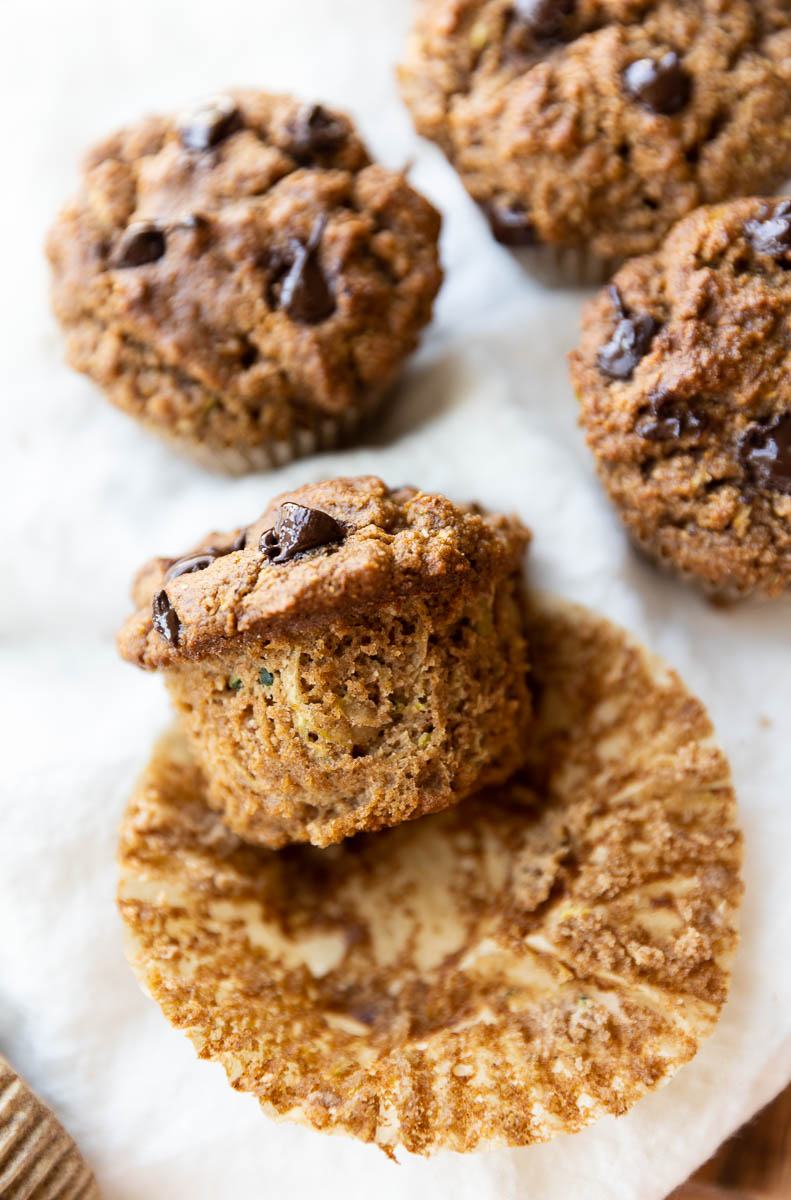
x: 252, y: 247
x: 326, y: 552
x: 601, y: 122
x: 683, y: 375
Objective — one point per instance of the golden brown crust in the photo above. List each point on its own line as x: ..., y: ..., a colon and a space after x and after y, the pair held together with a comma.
x: 401, y: 544
x: 546, y: 128
x: 670, y: 439
x: 198, y: 342
x: 366, y: 682
x: 497, y: 974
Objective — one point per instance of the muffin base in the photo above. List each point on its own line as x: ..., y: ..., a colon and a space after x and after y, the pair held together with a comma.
x: 329, y: 433
x: 177, y: 408
x: 358, y: 727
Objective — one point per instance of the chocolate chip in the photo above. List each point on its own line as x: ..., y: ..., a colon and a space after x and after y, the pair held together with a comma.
x: 765, y: 452
x: 544, y: 18
x: 305, y: 293
x: 772, y: 234
x: 142, y: 243
x: 629, y: 343
x: 190, y: 563
x: 663, y: 86
x: 298, y: 529
x: 201, y: 559
x: 317, y: 131
x: 669, y: 417
x: 511, y: 225
x: 166, y: 621
x: 210, y: 124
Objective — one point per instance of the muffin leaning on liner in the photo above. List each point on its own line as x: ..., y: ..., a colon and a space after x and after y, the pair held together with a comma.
x: 514, y: 968
x: 243, y: 279
x: 355, y: 659
x: 683, y: 379
x: 586, y: 129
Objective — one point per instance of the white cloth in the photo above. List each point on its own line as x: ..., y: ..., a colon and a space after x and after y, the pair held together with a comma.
x: 485, y: 412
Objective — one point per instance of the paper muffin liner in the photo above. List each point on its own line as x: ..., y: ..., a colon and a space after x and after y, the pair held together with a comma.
x: 328, y: 433
x: 396, y: 974
x: 38, y: 1159
x: 566, y: 266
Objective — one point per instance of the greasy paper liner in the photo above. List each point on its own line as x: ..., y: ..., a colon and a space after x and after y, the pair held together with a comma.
x: 38, y: 1159
x: 328, y: 433
x: 566, y: 266
x: 496, y: 974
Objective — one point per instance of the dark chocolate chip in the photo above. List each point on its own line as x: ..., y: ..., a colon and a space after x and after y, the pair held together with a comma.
x: 765, y: 451
x: 305, y: 293
x: 317, y: 131
x: 544, y: 18
x: 298, y: 529
x: 166, y: 621
x: 191, y: 562
x: 210, y: 124
x: 630, y: 342
x: 663, y: 86
x: 249, y: 356
x: 201, y: 559
x: 142, y: 243
x: 772, y: 234
x: 511, y: 225
x: 669, y: 417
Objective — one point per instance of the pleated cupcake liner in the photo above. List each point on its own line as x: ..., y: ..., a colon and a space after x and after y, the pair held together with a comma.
x: 38, y: 1159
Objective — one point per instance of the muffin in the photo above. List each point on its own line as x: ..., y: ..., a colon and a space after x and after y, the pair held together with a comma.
x: 354, y: 659
x: 508, y: 970
x: 242, y: 279
x: 683, y: 380
x: 585, y: 130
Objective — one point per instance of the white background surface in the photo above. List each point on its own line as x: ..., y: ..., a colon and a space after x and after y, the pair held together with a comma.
x: 485, y: 412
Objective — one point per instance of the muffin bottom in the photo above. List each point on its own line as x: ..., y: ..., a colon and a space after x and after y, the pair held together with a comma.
x: 354, y: 727
x: 328, y: 433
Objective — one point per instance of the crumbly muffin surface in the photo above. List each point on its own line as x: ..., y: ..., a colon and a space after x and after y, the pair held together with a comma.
x: 397, y: 544
x: 496, y: 974
x: 238, y: 273
x: 601, y: 122
x: 683, y: 380
x: 360, y: 662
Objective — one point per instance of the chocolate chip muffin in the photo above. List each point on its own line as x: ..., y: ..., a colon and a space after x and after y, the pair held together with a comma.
x: 683, y: 378
x: 243, y: 279
x: 591, y: 127
x: 354, y: 659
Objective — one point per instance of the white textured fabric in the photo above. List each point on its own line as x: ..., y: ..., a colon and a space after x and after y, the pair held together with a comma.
x: 486, y: 412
